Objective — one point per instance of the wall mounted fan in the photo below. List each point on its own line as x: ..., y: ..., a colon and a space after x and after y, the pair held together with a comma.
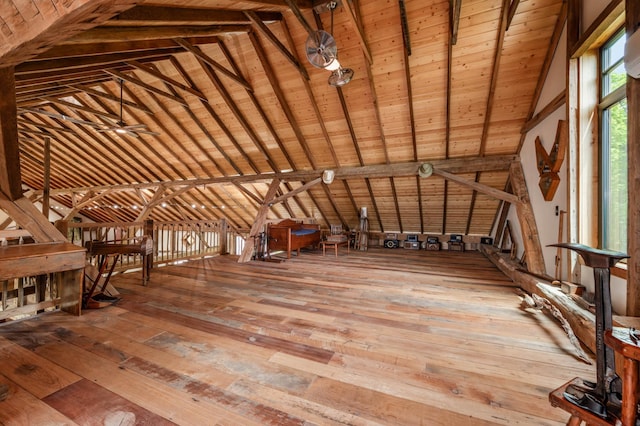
x: 321, y: 49
x: 322, y: 52
x: 122, y: 128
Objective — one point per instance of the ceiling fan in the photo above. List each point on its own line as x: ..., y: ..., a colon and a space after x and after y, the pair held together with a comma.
x: 121, y: 128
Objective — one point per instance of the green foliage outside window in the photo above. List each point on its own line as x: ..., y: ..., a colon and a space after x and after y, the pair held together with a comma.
x: 614, y: 194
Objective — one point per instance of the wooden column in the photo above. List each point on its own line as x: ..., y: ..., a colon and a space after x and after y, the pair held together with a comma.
x: 223, y: 232
x: 530, y: 236
x: 10, y: 179
x: 148, y: 231
x: 261, y: 217
x: 633, y: 136
x: 46, y: 184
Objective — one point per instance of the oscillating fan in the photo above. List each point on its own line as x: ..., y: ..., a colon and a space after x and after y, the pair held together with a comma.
x: 321, y: 49
x: 322, y: 52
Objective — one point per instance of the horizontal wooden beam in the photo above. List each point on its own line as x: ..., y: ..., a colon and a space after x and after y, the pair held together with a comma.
x: 454, y: 165
x: 118, y: 34
x: 188, y: 16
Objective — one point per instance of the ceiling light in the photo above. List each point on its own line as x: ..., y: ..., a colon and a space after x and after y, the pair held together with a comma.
x: 425, y: 170
x: 327, y: 176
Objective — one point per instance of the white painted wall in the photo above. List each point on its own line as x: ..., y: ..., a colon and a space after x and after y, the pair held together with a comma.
x: 544, y: 211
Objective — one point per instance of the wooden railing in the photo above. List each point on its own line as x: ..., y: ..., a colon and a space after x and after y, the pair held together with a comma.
x: 38, y: 277
x: 172, y: 241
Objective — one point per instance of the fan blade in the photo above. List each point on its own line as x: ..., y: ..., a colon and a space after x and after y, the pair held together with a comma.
x: 148, y: 132
x: 58, y: 116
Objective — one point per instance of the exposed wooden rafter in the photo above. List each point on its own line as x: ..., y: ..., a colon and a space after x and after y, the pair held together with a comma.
x: 255, y: 19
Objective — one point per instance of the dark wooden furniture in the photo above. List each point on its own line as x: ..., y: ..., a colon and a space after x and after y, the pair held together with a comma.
x: 66, y: 260
x: 289, y: 235
x: 142, y: 247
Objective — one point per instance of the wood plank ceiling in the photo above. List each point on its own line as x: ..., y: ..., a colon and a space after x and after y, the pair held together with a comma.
x: 227, y: 90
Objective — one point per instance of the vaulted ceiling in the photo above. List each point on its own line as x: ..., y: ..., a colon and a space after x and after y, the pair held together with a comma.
x: 229, y: 100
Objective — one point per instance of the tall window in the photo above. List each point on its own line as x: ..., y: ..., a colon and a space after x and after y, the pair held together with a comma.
x: 613, y: 147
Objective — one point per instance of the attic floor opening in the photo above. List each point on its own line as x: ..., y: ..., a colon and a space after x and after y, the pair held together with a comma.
x: 385, y: 336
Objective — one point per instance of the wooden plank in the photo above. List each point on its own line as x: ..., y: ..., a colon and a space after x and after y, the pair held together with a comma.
x: 89, y: 403
x: 37, y: 259
x: 34, y: 374
x: 23, y: 39
x: 411, y: 338
x: 359, y: 32
x: 22, y: 407
x: 143, y: 391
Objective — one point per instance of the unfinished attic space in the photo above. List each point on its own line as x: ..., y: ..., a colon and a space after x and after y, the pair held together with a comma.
x: 316, y: 212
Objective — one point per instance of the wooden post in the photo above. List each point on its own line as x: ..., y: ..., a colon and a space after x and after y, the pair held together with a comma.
x: 148, y: 231
x: 223, y: 235
x: 10, y: 178
x: 530, y: 236
x: 46, y: 185
x: 261, y: 217
x: 633, y: 210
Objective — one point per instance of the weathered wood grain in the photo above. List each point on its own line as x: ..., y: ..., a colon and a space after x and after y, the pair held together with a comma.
x: 383, y: 337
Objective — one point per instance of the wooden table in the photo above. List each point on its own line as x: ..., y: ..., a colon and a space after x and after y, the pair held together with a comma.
x: 335, y: 245
x: 66, y: 260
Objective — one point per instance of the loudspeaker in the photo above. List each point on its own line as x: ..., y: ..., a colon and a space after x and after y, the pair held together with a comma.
x: 412, y: 245
x: 486, y: 240
x: 391, y: 243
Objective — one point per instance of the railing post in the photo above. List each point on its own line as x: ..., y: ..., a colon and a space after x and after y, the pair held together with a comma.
x: 224, y: 231
x: 148, y: 231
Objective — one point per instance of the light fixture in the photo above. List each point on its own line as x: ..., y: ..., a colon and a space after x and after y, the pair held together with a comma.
x: 327, y: 176
x: 322, y: 52
x: 425, y: 170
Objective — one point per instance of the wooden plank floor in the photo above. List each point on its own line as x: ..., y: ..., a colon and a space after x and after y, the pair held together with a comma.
x: 384, y: 337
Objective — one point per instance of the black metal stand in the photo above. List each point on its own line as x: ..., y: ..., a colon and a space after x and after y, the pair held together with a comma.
x: 605, y: 394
